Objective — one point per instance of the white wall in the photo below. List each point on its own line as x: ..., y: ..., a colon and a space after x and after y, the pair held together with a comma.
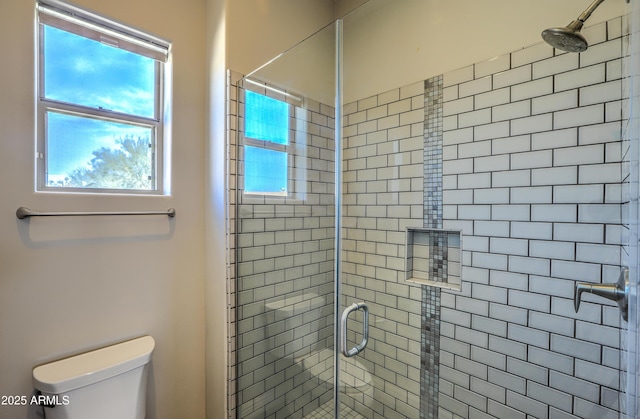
x: 389, y: 43
x: 259, y: 30
x: 69, y: 284
x: 216, y: 345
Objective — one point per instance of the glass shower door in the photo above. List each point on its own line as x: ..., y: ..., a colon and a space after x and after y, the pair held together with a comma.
x: 285, y: 233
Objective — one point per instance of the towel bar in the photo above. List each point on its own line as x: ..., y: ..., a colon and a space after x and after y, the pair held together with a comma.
x: 24, y: 212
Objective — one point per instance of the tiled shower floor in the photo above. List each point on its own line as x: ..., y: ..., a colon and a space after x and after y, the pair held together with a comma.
x: 326, y: 412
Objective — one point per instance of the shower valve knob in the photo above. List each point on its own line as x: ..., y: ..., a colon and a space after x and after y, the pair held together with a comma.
x: 618, y: 292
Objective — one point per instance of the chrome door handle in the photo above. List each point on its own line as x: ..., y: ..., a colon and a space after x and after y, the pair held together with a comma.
x: 365, y: 329
x: 618, y: 292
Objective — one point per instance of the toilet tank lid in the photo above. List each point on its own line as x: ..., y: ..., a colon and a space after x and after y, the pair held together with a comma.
x: 90, y: 367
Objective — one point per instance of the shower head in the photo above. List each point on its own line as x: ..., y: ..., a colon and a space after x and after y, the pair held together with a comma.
x: 569, y: 37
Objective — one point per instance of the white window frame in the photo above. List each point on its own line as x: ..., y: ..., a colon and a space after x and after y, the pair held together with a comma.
x: 69, y: 18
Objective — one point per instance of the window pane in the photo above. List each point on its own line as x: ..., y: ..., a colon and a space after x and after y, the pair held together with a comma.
x: 84, y: 72
x: 265, y: 170
x: 266, y: 118
x: 94, y: 153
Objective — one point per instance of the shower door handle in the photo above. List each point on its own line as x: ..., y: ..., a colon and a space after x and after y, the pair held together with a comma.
x: 365, y: 329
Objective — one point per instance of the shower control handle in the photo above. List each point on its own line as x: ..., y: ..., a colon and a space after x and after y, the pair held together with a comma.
x: 618, y: 292
x: 365, y: 329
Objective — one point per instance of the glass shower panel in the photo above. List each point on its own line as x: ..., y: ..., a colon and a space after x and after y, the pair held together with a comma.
x: 382, y: 181
x: 285, y: 232
x: 434, y: 156
x: 495, y: 332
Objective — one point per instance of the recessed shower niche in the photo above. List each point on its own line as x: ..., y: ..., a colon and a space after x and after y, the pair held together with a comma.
x: 432, y: 257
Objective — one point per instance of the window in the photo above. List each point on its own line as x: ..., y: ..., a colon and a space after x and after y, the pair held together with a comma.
x: 266, y: 137
x: 100, y: 104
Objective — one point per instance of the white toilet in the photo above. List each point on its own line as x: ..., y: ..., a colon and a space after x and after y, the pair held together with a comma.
x: 107, y: 383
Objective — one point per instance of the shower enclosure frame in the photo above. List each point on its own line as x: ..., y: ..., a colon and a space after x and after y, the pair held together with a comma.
x: 632, y: 340
x: 337, y: 293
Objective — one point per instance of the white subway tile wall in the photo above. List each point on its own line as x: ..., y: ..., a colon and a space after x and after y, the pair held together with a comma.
x: 531, y: 148
x: 230, y: 173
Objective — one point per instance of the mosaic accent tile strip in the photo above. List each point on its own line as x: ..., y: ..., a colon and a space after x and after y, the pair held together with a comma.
x: 430, y: 339
x: 438, y: 260
x: 433, y: 152
x: 430, y: 362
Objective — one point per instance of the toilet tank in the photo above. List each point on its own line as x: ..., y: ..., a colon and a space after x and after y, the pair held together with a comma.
x: 106, y: 383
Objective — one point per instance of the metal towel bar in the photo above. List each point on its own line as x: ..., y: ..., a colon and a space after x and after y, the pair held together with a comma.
x: 24, y: 212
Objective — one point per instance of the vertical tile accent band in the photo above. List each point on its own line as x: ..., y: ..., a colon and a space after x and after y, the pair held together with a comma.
x: 433, y: 152
x: 430, y: 339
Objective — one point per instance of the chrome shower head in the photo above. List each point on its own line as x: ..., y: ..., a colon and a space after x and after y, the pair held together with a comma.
x: 569, y: 38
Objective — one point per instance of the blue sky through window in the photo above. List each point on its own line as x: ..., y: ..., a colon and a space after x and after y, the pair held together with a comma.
x: 266, y: 119
x: 85, y: 72
x: 265, y: 170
